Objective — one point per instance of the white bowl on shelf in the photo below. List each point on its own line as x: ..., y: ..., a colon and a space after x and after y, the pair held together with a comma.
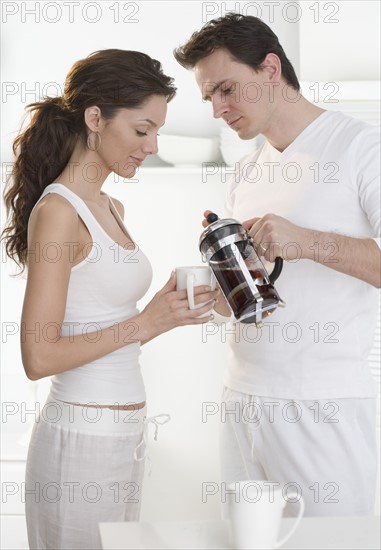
x: 233, y: 148
x: 188, y: 152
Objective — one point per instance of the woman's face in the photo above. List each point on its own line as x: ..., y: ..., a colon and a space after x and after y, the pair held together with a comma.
x: 129, y: 137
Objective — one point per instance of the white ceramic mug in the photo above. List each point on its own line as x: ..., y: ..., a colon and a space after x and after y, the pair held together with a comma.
x: 255, y: 512
x: 190, y: 276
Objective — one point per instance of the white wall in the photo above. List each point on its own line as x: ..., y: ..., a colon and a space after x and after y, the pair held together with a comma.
x: 38, y: 53
x: 181, y: 371
x: 340, y: 40
x: 40, y: 40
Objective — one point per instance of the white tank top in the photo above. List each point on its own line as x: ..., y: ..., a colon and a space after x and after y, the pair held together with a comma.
x: 103, y: 290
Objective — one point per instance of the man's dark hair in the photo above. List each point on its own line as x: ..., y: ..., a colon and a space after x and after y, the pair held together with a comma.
x: 247, y: 38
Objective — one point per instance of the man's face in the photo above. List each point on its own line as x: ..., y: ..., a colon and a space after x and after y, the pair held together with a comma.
x: 242, y: 97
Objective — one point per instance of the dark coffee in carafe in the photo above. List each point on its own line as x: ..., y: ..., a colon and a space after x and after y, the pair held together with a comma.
x: 243, y: 279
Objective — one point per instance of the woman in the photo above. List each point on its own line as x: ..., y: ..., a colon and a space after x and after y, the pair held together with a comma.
x: 80, y: 323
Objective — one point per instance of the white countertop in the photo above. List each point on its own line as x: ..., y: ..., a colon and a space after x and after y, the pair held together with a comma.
x: 317, y: 533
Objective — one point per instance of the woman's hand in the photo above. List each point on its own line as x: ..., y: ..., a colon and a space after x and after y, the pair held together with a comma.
x: 169, y: 308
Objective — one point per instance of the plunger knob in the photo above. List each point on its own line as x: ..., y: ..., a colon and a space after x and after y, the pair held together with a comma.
x: 212, y: 217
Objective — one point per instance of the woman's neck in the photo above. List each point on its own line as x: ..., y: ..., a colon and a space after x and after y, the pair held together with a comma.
x: 85, y: 174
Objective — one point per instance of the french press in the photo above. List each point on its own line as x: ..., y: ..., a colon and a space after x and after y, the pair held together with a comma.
x: 248, y: 288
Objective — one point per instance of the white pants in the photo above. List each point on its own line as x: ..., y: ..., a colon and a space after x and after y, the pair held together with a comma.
x: 326, y: 450
x: 80, y: 471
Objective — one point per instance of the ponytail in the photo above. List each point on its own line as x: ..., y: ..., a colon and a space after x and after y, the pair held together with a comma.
x: 111, y: 79
x: 42, y: 151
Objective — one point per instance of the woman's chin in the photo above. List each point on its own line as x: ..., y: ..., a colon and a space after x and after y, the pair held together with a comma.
x: 129, y: 172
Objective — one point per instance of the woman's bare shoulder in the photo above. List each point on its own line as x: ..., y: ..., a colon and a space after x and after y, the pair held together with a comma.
x: 54, y: 211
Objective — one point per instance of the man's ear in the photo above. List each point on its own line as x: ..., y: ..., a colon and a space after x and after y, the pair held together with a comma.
x: 273, y: 67
x: 92, y: 117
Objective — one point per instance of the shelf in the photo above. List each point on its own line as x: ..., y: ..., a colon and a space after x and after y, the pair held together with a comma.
x: 206, y: 167
x: 171, y: 170
x: 209, y: 173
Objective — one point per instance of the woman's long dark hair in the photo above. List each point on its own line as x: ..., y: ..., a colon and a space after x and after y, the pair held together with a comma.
x: 111, y: 79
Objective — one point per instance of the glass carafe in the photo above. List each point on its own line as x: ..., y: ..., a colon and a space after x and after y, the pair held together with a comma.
x: 248, y: 288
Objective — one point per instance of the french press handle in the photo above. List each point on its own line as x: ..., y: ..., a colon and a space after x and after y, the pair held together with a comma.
x: 278, y: 266
x: 277, y: 270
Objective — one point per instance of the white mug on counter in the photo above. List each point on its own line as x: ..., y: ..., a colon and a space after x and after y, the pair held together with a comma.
x: 255, y: 512
x: 188, y: 277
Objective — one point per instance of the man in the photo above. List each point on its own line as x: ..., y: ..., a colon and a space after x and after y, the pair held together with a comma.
x: 310, y: 194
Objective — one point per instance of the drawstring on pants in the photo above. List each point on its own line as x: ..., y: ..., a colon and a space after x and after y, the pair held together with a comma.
x: 157, y: 420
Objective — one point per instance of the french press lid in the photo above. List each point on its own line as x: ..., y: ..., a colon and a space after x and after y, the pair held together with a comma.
x: 225, y: 228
